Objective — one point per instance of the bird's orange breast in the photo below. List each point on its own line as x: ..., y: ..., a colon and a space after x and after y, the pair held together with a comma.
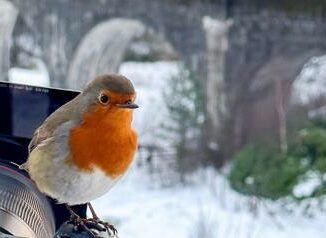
x: 104, y: 140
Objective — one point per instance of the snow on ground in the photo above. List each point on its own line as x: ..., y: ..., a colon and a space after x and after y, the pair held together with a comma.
x: 311, y: 82
x: 308, y: 185
x: 141, y: 210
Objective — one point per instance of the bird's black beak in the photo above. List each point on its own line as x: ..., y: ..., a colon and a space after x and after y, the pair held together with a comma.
x: 129, y: 105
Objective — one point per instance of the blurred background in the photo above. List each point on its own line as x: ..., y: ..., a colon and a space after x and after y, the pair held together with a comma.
x: 232, y: 95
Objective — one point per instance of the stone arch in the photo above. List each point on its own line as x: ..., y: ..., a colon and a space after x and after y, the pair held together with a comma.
x: 106, y: 45
x: 8, y: 16
x: 280, y: 67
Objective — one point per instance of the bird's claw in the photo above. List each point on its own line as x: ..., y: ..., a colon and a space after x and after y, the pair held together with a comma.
x: 111, y: 229
x: 84, y: 224
x: 113, y: 232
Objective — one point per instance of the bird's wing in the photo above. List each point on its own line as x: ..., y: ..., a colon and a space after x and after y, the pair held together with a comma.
x: 40, y: 135
x: 45, y: 132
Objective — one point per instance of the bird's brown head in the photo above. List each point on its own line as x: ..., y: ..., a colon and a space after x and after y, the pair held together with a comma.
x: 110, y: 92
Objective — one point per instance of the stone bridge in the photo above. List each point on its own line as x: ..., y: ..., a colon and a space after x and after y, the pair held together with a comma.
x: 242, y: 53
x: 66, y: 31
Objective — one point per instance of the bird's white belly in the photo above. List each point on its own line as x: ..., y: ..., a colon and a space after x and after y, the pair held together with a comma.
x: 64, y: 182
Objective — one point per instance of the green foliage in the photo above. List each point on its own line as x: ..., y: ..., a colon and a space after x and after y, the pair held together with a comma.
x: 262, y: 171
x: 313, y: 150
x: 314, y: 147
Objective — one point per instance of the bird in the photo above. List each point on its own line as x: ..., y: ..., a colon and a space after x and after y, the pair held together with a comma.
x: 83, y: 148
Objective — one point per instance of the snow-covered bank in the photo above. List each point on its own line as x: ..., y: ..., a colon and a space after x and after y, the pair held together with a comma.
x: 208, y: 206
x: 150, y: 80
x: 310, y: 83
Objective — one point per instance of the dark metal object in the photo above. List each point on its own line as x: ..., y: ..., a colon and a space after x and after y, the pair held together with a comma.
x: 24, y: 211
x: 24, y: 108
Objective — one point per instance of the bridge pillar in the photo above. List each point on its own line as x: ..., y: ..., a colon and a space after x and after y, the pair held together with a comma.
x: 216, y: 34
x: 8, y: 16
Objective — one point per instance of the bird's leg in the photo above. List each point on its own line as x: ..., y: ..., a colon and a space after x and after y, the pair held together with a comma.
x: 74, y: 217
x: 96, y: 219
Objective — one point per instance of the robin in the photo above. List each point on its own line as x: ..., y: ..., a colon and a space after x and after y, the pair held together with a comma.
x: 82, y: 149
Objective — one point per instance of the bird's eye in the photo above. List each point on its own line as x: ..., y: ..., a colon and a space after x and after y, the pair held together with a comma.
x: 104, y: 99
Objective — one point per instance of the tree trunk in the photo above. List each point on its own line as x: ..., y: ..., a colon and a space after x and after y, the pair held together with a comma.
x: 281, y: 116
x: 216, y: 32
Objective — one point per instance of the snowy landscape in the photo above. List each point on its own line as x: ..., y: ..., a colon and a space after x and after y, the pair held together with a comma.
x: 206, y: 207
x: 232, y: 107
